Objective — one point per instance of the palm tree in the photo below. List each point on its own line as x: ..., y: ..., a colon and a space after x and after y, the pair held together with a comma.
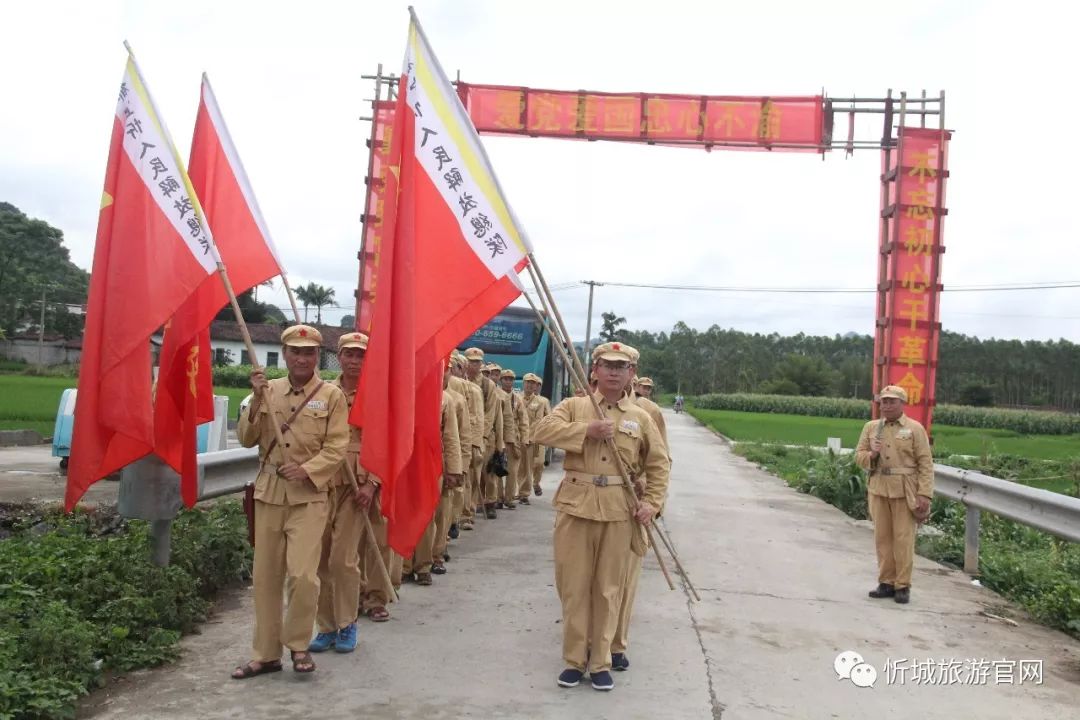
x: 312, y: 295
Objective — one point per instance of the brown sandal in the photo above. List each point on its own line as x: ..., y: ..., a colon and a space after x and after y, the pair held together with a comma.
x: 243, y: 672
x: 302, y: 662
x: 378, y: 614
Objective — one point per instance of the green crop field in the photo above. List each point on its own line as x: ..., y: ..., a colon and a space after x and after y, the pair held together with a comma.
x: 30, y: 403
x: 948, y: 440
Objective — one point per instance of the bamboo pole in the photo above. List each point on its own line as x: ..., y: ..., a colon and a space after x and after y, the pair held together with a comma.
x: 292, y: 298
x: 371, y: 531
x: 575, y: 363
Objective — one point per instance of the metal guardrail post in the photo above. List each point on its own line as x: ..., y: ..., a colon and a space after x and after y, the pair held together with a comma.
x: 150, y: 490
x: 971, y: 540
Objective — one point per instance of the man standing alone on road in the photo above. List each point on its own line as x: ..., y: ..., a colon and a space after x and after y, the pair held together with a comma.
x: 896, y: 452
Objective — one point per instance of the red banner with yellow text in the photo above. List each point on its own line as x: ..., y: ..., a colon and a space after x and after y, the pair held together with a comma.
x: 753, y: 123
x: 913, y: 209
x: 383, y: 122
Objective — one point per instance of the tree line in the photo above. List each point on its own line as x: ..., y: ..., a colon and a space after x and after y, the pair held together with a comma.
x: 1014, y: 373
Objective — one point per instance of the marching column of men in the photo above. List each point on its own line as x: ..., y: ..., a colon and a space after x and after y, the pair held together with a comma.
x: 321, y: 555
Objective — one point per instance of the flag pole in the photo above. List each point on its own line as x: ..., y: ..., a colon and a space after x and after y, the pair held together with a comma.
x: 250, y: 349
x: 292, y: 298
x: 370, y: 530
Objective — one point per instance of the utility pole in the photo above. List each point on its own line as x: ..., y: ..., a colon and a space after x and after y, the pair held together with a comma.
x: 588, y: 325
x: 41, y: 329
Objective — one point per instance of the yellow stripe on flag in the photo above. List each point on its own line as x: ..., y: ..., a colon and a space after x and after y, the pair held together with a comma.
x: 106, y: 200
x: 476, y: 167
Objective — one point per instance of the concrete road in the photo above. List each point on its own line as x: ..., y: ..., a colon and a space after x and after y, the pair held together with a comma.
x: 32, y: 474
x: 783, y: 578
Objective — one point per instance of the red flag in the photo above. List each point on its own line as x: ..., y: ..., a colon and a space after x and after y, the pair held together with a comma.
x: 152, y: 251
x: 449, y: 248
x: 185, y: 394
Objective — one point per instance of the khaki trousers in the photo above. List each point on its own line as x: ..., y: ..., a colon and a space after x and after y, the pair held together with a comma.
x: 288, y: 541
x: 339, y: 566
x: 525, y: 463
x: 894, y: 538
x: 374, y: 589
x: 420, y: 562
x: 443, y: 518
x: 471, y: 492
x: 626, y: 607
x: 508, y: 486
x: 536, y: 454
x: 591, y: 563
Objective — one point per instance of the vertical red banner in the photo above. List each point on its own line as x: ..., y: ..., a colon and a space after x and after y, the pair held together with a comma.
x: 908, y: 327
x: 382, y: 130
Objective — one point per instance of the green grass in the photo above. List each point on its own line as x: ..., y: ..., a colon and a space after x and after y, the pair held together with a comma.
x: 806, y: 430
x: 30, y: 403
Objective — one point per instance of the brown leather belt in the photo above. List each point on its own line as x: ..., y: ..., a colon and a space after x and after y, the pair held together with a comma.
x: 598, y: 480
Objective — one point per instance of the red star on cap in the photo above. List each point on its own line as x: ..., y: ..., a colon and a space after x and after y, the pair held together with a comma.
x: 303, y: 333
x: 614, y: 346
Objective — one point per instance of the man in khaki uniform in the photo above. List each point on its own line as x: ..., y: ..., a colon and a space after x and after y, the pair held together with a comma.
x: 595, y: 530
x: 464, y: 506
x: 424, y: 554
x: 643, y: 397
x: 516, y: 431
x: 344, y: 538
x: 452, y: 484
x: 291, y: 497
x: 493, y: 429
x: 532, y: 461
x: 896, y: 451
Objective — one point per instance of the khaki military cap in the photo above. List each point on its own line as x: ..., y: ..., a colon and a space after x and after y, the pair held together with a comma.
x: 645, y: 381
x: 532, y: 377
x: 474, y: 354
x: 457, y: 360
x: 353, y: 339
x: 893, y: 391
x: 615, y: 351
x: 301, y: 336
x: 508, y: 373
x: 496, y: 368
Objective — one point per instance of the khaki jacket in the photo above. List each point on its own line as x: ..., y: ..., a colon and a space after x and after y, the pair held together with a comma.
x: 451, y: 436
x: 474, y: 404
x: 491, y: 407
x: 318, y: 440
x: 521, y: 417
x: 639, y: 444
x: 461, y: 412
x: 538, y: 408
x: 657, y: 416
x: 905, y: 466
x: 353, y: 451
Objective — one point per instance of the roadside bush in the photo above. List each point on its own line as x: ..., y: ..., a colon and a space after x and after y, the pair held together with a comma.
x: 79, y: 598
x: 1025, y: 422
x: 239, y: 376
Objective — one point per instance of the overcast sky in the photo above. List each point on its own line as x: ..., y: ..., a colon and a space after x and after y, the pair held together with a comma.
x: 287, y: 77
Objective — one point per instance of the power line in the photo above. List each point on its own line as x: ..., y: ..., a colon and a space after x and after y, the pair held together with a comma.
x: 826, y: 290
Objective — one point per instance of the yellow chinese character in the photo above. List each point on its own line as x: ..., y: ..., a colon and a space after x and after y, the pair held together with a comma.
x: 922, y: 169
x: 918, y: 239
x: 916, y: 280
x: 656, y: 116
x: 691, y: 120
x: 912, y: 386
x: 729, y: 121
x: 508, y: 107
x: 380, y: 205
x: 917, y: 310
x: 768, y: 124
x: 912, y: 350
x: 388, y: 135
x: 588, y: 117
x: 544, y: 110
x: 920, y: 204
x: 619, y: 114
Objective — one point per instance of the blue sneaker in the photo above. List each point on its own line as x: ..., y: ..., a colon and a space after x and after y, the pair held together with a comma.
x: 323, y: 642
x: 346, y: 639
x: 570, y: 677
x: 620, y: 662
x: 602, y: 680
